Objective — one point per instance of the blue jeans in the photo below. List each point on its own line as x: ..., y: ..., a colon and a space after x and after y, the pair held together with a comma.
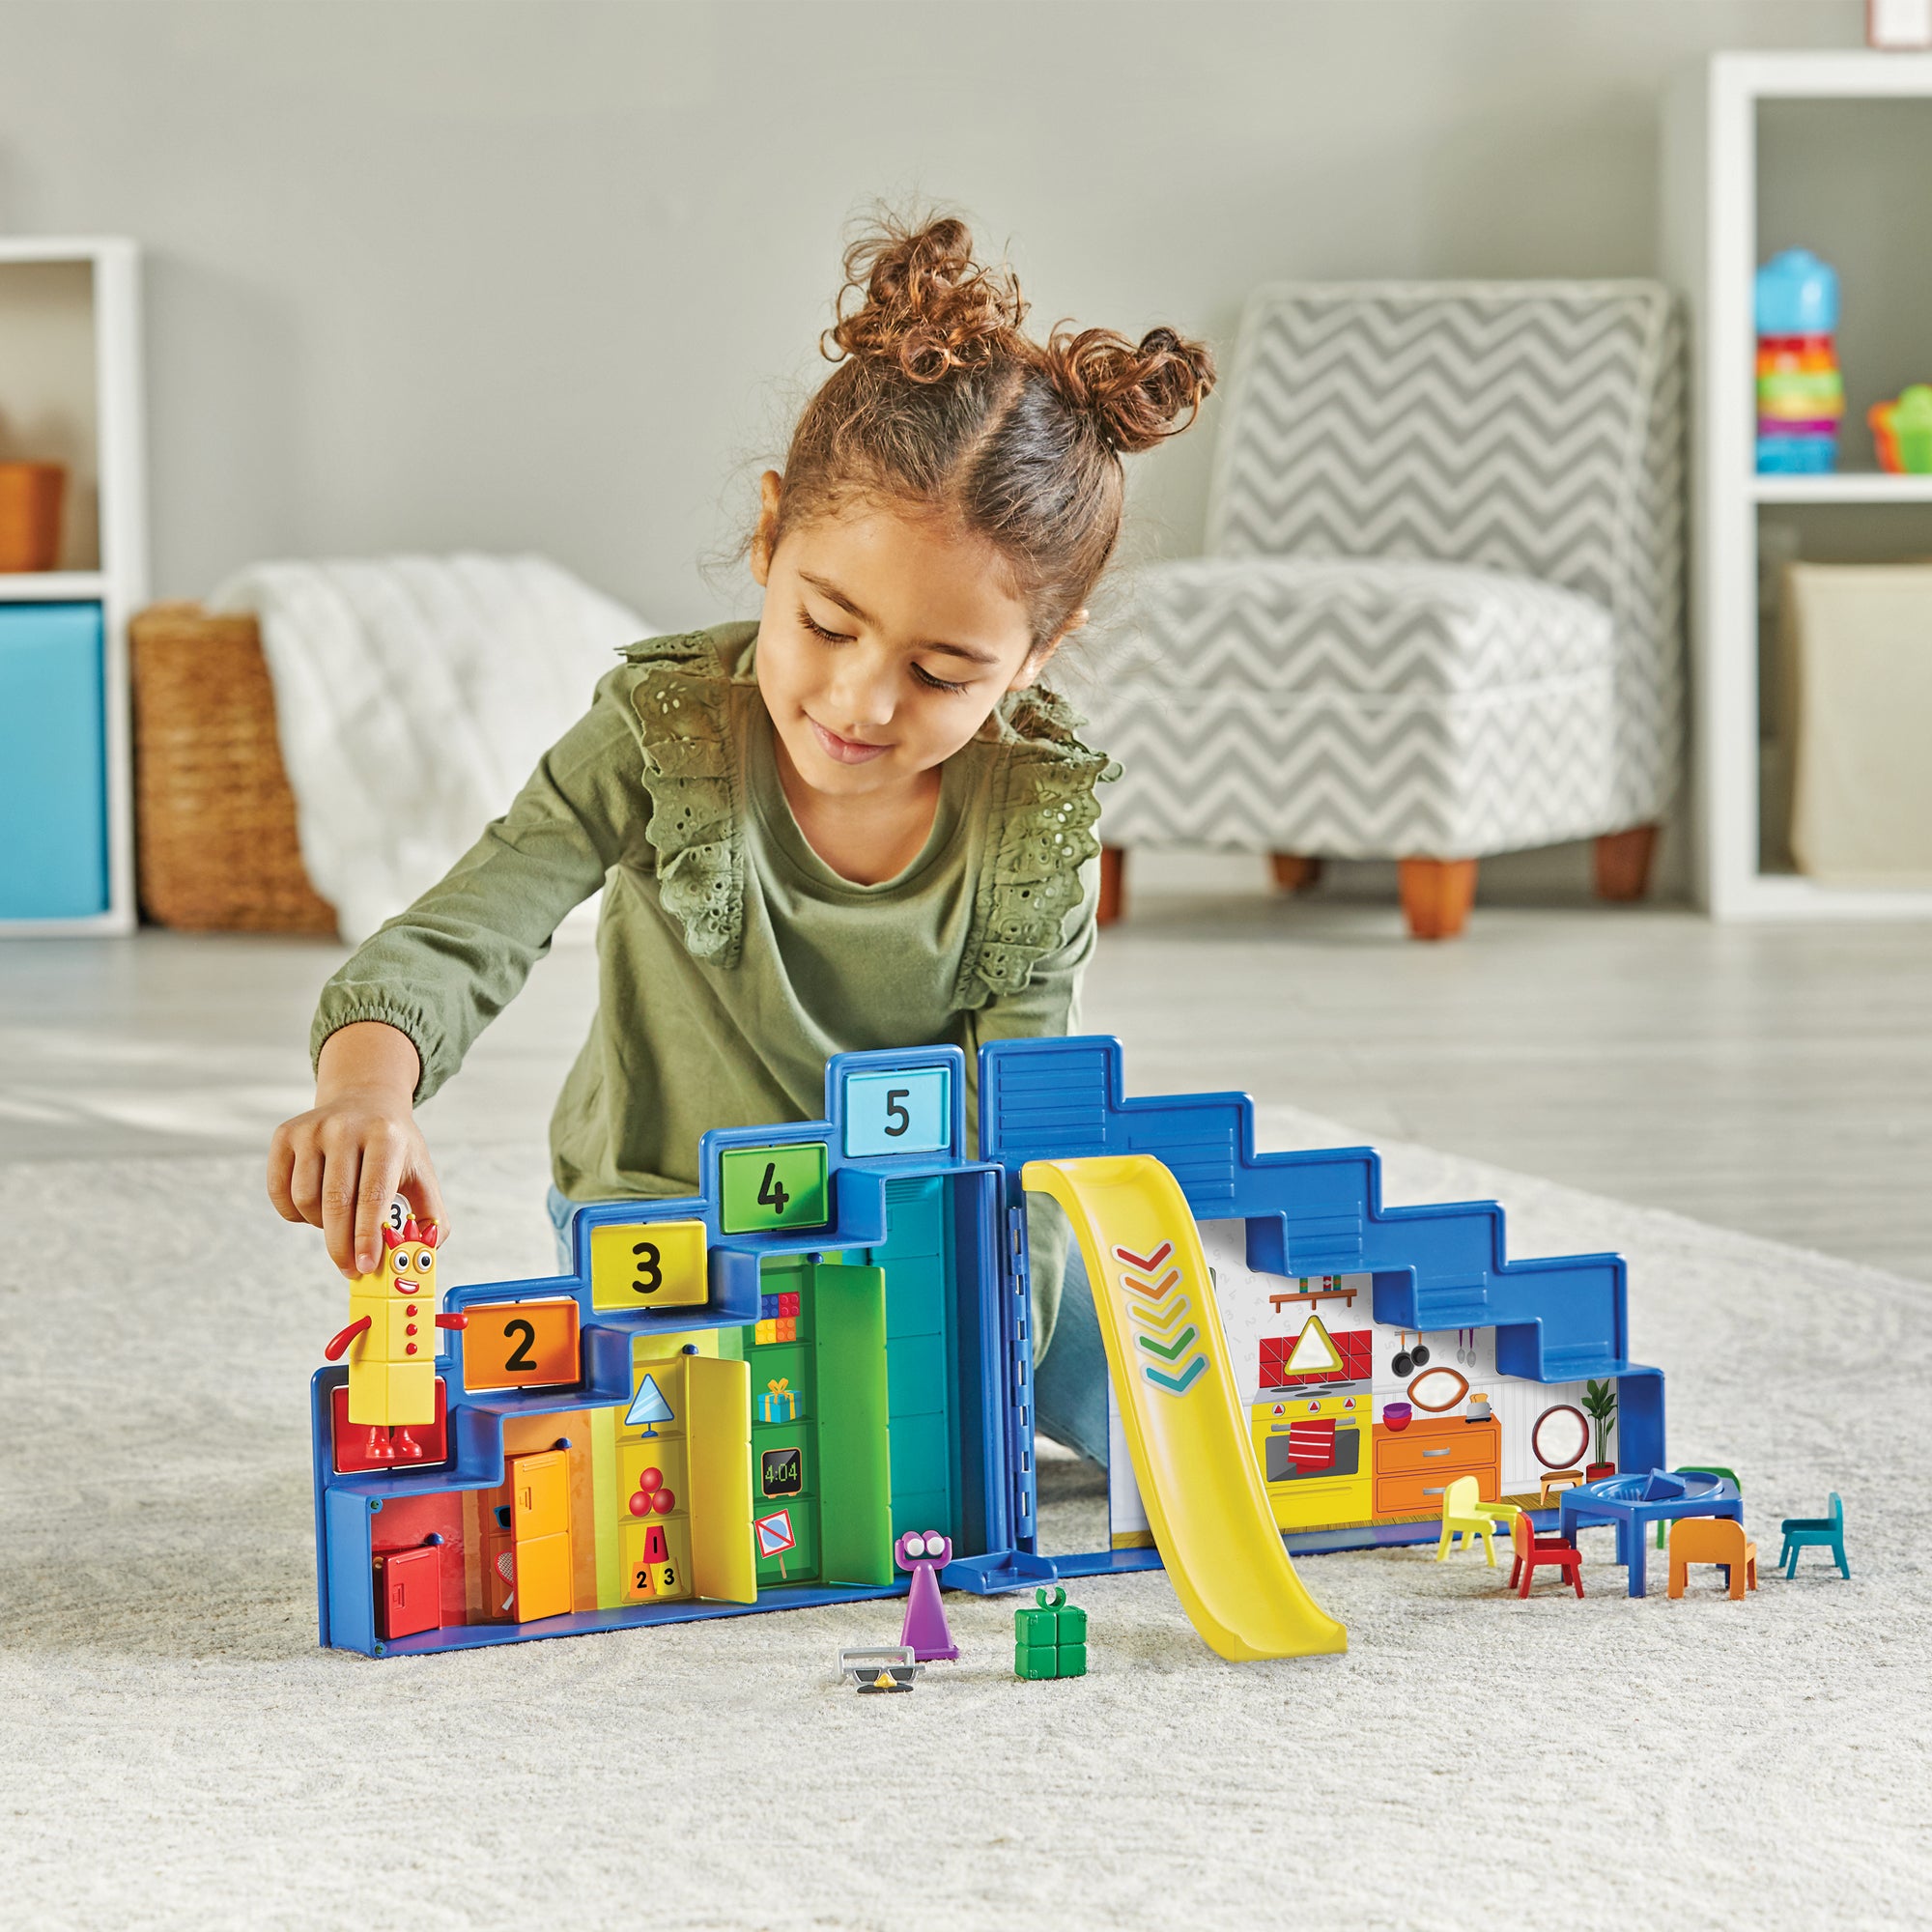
x: 563, y: 1212
x: 1069, y: 1387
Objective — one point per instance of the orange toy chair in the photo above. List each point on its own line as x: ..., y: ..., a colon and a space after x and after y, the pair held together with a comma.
x: 1548, y: 1552
x: 1710, y: 1539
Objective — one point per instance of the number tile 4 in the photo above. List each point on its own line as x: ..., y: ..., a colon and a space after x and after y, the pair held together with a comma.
x: 769, y: 1188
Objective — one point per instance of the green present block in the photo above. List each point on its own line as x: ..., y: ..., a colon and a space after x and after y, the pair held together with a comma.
x: 1071, y: 1660
x: 1036, y: 1627
x: 1035, y: 1661
x: 1073, y: 1626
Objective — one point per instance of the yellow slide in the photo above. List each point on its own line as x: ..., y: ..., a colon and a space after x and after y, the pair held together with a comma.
x: 1184, y: 1427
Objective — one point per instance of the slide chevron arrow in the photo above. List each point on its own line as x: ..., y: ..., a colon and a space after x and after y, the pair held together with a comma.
x: 1160, y: 1321
x: 1177, y: 1384
x: 1168, y: 1350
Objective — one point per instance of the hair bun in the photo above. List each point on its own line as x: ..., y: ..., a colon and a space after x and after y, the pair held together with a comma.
x: 926, y: 305
x: 1138, y: 395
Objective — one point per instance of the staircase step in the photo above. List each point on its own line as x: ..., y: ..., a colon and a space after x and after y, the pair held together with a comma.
x: 1578, y: 1364
x: 1453, y: 1303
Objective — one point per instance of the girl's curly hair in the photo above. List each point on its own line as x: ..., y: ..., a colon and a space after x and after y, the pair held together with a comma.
x: 941, y: 399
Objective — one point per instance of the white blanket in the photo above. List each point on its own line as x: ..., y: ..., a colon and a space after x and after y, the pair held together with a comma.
x: 413, y: 697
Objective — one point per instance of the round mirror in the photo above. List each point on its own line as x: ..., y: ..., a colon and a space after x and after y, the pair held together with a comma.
x: 1561, y: 1436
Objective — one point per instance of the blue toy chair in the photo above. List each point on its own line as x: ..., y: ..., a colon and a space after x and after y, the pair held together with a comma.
x: 1827, y: 1531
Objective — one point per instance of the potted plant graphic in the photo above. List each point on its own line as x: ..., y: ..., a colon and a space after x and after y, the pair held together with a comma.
x: 1600, y: 1403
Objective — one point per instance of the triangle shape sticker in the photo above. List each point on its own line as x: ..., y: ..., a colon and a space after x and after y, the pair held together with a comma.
x: 1314, y: 1352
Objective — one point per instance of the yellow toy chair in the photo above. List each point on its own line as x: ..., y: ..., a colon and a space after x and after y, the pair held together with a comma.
x: 1464, y: 1512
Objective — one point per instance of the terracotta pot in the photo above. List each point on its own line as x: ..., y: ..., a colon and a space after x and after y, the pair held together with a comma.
x: 30, y: 514
x: 1595, y: 1472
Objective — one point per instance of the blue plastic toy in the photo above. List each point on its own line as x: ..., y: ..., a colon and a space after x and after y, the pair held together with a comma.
x: 1825, y: 1532
x: 745, y: 1400
x: 1795, y: 294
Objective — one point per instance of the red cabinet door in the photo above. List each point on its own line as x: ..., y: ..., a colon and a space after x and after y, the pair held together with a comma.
x: 409, y: 1591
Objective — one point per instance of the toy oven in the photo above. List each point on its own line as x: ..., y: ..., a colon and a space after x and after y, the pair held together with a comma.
x: 1347, y: 1456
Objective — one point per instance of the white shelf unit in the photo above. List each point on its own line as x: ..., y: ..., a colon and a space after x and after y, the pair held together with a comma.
x: 1713, y: 247
x: 85, y: 395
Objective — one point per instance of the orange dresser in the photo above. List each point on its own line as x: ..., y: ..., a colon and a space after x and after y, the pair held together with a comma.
x: 1414, y: 1464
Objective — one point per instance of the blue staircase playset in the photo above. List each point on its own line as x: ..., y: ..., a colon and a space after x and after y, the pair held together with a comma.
x: 742, y: 1400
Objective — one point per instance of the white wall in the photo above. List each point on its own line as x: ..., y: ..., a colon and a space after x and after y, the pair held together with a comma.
x: 548, y: 275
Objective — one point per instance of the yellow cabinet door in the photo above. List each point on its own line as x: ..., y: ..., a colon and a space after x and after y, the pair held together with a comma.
x: 718, y: 1427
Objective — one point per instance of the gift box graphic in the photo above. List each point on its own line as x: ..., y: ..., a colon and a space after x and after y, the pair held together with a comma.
x: 777, y: 1403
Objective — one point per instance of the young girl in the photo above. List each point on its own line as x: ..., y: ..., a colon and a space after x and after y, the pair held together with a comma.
x: 859, y: 822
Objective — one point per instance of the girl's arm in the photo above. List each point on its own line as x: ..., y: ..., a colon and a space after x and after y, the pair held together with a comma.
x: 396, y: 1021
x: 1048, y: 1004
x: 1045, y: 1008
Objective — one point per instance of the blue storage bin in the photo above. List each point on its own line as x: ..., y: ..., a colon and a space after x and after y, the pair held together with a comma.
x: 53, y: 762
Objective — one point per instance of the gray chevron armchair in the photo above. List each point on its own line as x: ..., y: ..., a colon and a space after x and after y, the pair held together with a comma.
x: 1441, y: 616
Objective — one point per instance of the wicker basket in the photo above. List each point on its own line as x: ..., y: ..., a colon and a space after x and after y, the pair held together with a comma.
x: 215, y: 820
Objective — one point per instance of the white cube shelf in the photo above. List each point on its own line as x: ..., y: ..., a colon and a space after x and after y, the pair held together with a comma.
x: 71, y: 392
x: 1712, y: 245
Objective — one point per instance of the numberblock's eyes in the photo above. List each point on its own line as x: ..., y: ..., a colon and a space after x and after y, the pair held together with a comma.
x: 426, y: 1260
x: 400, y: 1261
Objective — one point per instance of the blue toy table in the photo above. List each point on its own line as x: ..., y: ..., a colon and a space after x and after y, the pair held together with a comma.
x: 1635, y: 1502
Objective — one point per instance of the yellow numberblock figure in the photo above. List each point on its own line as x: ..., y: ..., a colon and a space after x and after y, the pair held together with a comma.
x: 391, y: 1339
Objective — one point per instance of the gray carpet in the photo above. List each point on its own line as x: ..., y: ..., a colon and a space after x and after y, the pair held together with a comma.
x: 177, y: 1752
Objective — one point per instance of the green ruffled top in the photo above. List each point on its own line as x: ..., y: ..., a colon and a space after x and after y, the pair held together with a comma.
x: 733, y: 961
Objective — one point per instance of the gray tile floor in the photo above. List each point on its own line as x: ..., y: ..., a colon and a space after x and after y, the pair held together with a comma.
x: 1776, y: 1080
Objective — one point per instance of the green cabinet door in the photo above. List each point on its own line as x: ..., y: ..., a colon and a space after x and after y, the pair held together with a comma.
x: 854, y: 1448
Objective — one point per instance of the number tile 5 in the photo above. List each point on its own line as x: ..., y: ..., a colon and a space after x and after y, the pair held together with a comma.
x: 898, y: 1113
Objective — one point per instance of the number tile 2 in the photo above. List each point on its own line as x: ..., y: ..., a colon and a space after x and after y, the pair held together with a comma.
x: 519, y: 1345
x: 772, y: 1187
x: 898, y: 1113
x: 648, y: 1264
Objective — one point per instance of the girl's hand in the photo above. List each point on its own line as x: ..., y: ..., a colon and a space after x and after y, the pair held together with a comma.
x: 339, y: 1166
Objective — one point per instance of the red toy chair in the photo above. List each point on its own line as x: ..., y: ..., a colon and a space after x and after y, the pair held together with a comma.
x: 1533, y: 1550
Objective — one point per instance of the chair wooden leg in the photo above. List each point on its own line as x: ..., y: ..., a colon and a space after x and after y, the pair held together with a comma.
x: 1621, y: 865
x: 1437, y: 895
x: 1113, y: 884
x: 1294, y: 873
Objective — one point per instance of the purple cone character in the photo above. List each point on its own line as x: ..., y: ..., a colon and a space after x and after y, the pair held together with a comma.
x: 924, y: 1553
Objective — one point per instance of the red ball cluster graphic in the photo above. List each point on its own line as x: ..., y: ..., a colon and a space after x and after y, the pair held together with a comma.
x: 652, y: 1494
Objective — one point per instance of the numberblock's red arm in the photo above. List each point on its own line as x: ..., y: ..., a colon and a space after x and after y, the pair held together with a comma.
x: 333, y: 1352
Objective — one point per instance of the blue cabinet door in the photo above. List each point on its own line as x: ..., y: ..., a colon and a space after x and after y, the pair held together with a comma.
x: 53, y: 762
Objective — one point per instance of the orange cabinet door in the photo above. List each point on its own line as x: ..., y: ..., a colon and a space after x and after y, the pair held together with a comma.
x: 540, y: 1494
x: 543, y: 1577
